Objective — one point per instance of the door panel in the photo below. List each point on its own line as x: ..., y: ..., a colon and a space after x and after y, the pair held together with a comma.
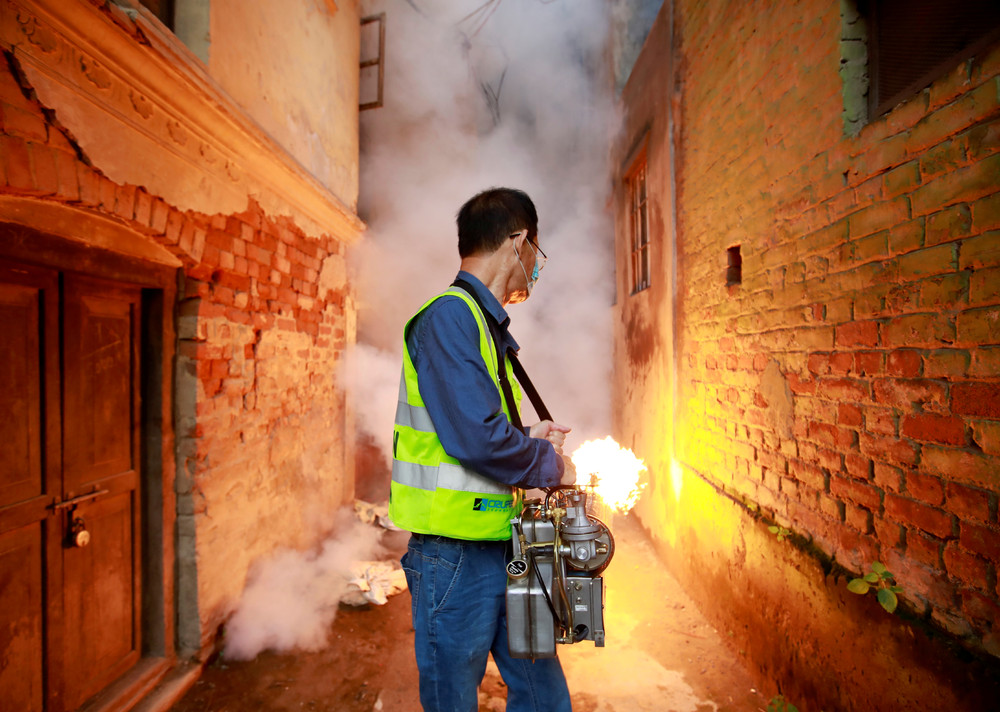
x: 20, y: 393
x: 101, y: 633
x: 69, y: 446
x: 100, y: 361
x: 21, y: 609
x: 101, y: 590
x: 29, y: 475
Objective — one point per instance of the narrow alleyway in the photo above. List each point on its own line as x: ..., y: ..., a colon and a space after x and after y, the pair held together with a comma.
x: 661, y: 656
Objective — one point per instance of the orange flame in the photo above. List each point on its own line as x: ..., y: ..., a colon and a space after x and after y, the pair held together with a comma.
x: 613, y: 472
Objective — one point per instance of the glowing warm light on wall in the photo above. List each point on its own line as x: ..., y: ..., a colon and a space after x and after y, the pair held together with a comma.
x: 612, y: 470
x: 676, y: 479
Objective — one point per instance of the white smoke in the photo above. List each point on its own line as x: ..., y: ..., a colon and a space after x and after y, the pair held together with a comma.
x: 513, y: 94
x: 371, y: 376
x: 499, y: 93
x: 291, y: 598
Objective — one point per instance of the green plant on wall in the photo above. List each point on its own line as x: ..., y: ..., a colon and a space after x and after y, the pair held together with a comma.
x: 882, y: 581
x: 780, y: 532
x: 779, y: 704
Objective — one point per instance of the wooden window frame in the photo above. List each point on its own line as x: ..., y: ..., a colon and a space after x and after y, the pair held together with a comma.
x: 162, y: 10
x: 637, y: 195
x: 378, y: 61
x: 923, y: 37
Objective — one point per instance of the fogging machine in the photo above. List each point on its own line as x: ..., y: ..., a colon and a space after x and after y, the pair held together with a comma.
x: 555, y: 593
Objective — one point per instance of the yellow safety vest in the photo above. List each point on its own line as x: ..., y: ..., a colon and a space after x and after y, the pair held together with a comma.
x: 431, y: 492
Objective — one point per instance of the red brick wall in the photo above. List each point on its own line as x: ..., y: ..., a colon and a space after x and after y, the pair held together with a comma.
x: 849, y: 388
x: 872, y: 275
x: 261, y: 458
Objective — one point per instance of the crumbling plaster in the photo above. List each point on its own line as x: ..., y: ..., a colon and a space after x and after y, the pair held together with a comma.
x: 169, y: 168
x: 145, y: 110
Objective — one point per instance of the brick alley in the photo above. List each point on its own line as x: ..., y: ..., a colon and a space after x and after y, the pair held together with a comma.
x: 661, y: 656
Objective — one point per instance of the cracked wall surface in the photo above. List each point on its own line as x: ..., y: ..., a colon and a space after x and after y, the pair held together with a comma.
x: 845, y: 390
x: 116, y: 139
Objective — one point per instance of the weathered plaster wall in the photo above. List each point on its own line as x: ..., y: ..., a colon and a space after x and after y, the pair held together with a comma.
x: 847, y: 389
x: 294, y: 67
x: 643, y: 324
x: 264, y: 309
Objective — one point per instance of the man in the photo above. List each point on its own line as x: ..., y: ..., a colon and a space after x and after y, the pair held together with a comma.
x: 460, y: 464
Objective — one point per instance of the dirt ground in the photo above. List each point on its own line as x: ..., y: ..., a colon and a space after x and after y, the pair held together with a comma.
x: 661, y: 656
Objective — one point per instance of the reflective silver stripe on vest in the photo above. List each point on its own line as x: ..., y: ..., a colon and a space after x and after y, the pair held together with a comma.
x: 412, y: 416
x: 447, y: 476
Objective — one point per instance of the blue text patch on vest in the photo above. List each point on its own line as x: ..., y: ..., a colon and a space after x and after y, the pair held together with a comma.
x: 482, y: 504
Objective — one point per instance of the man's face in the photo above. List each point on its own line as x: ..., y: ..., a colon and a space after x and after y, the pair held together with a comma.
x: 530, y: 260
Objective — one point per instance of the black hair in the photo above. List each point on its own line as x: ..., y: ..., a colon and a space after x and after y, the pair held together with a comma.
x: 490, y: 217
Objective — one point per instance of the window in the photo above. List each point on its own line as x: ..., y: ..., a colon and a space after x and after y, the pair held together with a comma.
x: 638, y: 218
x: 189, y: 20
x: 372, y: 61
x: 913, y: 42
x: 162, y: 9
x: 893, y: 49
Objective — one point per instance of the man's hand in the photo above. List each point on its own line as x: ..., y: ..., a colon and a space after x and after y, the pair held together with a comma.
x: 553, y: 432
x: 569, y: 475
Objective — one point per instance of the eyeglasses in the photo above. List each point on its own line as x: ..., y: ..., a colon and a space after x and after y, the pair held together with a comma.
x: 538, y: 249
x: 535, y: 248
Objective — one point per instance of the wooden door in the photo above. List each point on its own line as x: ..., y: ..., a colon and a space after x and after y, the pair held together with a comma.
x: 81, y: 631
x: 101, y: 589
x: 29, y: 474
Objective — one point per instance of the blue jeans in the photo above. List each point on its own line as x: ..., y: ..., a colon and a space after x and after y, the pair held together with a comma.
x: 459, y: 618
